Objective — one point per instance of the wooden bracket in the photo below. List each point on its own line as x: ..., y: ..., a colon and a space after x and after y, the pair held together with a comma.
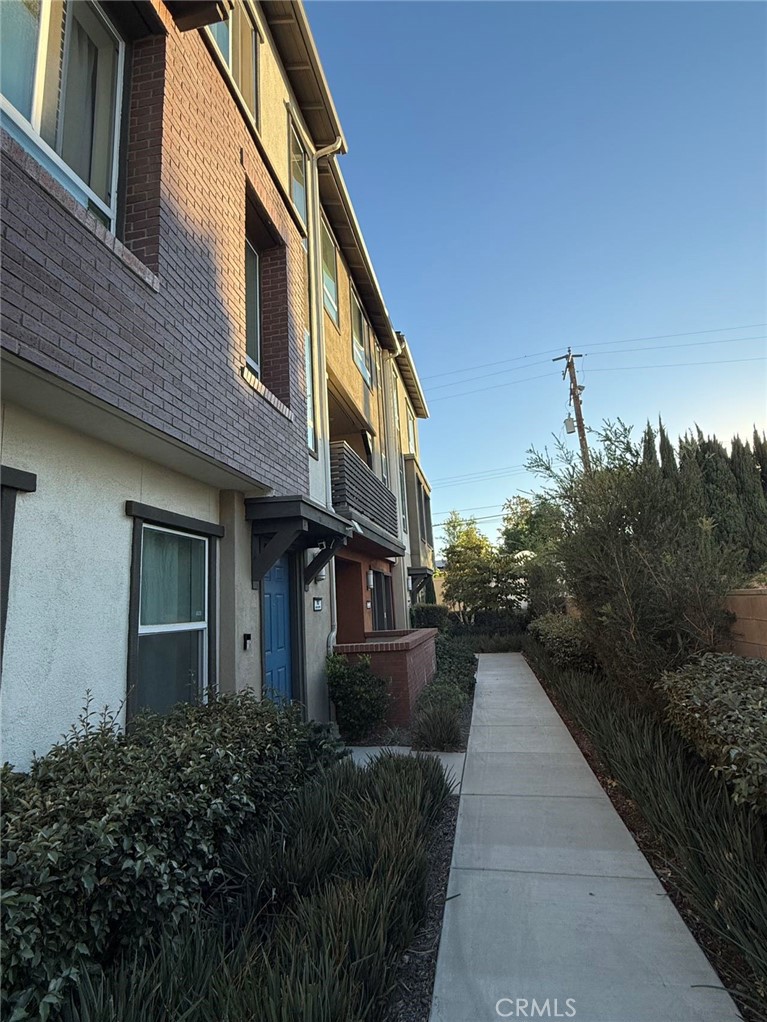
x: 322, y: 558
x: 262, y: 559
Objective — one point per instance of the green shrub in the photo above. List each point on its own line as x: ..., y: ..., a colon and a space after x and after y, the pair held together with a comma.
x: 437, y: 725
x: 456, y: 661
x: 564, y: 639
x: 315, y: 910
x: 500, y: 622
x: 511, y: 643
x: 429, y: 615
x: 111, y: 837
x: 361, y: 699
x: 720, y: 848
x: 718, y: 702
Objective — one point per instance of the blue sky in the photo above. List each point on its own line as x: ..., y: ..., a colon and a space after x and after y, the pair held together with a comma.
x: 530, y: 176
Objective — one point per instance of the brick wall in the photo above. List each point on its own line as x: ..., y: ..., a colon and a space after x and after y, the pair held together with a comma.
x: 155, y: 327
x: 407, y: 658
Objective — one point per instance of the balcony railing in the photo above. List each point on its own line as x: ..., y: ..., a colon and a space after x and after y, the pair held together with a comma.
x: 357, y: 489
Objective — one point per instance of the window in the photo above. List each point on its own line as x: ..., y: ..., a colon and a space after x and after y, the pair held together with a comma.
x: 12, y: 482
x: 403, y: 491
x: 236, y: 40
x: 171, y: 650
x: 311, y: 435
x: 382, y: 417
x: 252, y: 307
x: 173, y: 619
x: 61, y: 71
x: 297, y: 174
x: 422, y: 510
x: 395, y: 402
x: 361, y: 341
x: 411, y: 432
x: 329, y: 274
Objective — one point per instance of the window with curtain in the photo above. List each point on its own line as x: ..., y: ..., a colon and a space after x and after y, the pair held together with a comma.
x: 61, y: 82
x: 173, y: 619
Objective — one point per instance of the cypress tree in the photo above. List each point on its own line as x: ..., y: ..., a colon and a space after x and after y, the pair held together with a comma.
x: 668, y: 463
x: 760, y: 453
x: 752, y: 500
x: 721, y: 493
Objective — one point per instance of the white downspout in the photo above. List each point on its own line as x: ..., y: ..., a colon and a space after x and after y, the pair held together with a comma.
x: 322, y: 370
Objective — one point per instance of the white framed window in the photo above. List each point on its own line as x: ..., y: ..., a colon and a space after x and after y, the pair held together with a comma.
x: 173, y: 619
x: 361, y: 340
x: 61, y: 79
x: 329, y: 273
x: 382, y: 417
x: 411, y: 441
x: 237, y: 41
x: 252, y: 307
x: 298, y: 174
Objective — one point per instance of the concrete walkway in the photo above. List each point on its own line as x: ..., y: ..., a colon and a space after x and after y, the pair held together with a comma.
x: 549, y: 898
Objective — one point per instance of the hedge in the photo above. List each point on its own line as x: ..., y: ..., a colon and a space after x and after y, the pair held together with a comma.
x: 429, y: 615
x: 111, y: 838
x: 359, y: 696
x: 719, y: 703
x: 564, y: 639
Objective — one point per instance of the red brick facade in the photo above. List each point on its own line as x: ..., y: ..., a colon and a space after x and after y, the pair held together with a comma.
x: 155, y: 327
x: 407, y: 658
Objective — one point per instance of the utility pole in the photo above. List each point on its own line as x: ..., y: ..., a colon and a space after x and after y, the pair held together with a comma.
x: 575, y: 397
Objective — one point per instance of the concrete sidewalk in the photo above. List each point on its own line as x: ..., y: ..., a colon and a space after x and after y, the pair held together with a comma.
x: 550, y: 900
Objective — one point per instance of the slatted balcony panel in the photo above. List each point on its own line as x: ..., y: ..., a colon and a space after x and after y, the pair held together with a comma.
x: 356, y: 488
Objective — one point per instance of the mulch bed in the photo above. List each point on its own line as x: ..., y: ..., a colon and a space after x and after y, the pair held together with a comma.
x: 728, y: 964
x: 410, y: 1000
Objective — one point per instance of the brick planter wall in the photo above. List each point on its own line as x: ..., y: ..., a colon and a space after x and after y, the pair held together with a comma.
x: 408, y: 658
x: 749, y: 630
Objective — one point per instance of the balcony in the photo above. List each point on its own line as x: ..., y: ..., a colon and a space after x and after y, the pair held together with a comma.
x: 419, y: 516
x: 358, y: 494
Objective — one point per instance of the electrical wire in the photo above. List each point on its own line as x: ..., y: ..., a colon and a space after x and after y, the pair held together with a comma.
x: 597, y: 344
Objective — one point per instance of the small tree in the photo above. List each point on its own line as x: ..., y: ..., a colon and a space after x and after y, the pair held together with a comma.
x: 477, y: 575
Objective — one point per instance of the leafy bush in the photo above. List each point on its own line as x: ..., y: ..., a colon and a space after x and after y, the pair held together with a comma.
x: 564, y: 639
x: 719, y: 703
x: 456, y: 662
x: 720, y: 848
x: 360, y: 698
x: 429, y: 615
x: 111, y: 837
x: 496, y: 643
x: 316, y: 907
x: 500, y: 622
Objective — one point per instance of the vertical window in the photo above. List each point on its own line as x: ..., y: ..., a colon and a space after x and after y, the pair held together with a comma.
x: 403, y: 491
x: 252, y: 307
x: 311, y: 435
x: 237, y: 41
x: 361, y: 341
x: 395, y: 402
x: 298, y: 174
x: 411, y: 432
x: 61, y: 81
x: 329, y: 274
x: 382, y: 417
x: 421, y: 509
x: 173, y: 619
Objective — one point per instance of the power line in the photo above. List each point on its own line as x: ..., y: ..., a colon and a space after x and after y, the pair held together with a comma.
x: 470, y: 481
x: 486, y: 518
x: 613, y: 369
x: 598, y: 344
x: 460, y: 510
x: 614, y: 351
x: 464, y: 475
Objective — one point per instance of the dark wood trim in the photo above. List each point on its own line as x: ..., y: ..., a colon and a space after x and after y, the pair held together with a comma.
x: 15, y: 479
x: 12, y: 482
x: 298, y: 632
x: 263, y: 557
x: 212, y: 619
x: 157, y: 516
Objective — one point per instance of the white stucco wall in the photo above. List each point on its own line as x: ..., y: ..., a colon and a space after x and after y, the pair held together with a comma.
x: 67, y: 626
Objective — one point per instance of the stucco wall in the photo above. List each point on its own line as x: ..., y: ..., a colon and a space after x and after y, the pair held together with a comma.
x: 67, y: 626
x: 749, y: 630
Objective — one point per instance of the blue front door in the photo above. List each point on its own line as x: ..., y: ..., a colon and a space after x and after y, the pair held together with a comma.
x: 277, y: 639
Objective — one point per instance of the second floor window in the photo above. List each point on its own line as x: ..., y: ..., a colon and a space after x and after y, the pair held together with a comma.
x: 411, y: 432
x: 61, y: 72
x: 237, y: 41
x: 252, y: 307
x: 297, y: 174
x: 329, y: 274
x: 361, y: 341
